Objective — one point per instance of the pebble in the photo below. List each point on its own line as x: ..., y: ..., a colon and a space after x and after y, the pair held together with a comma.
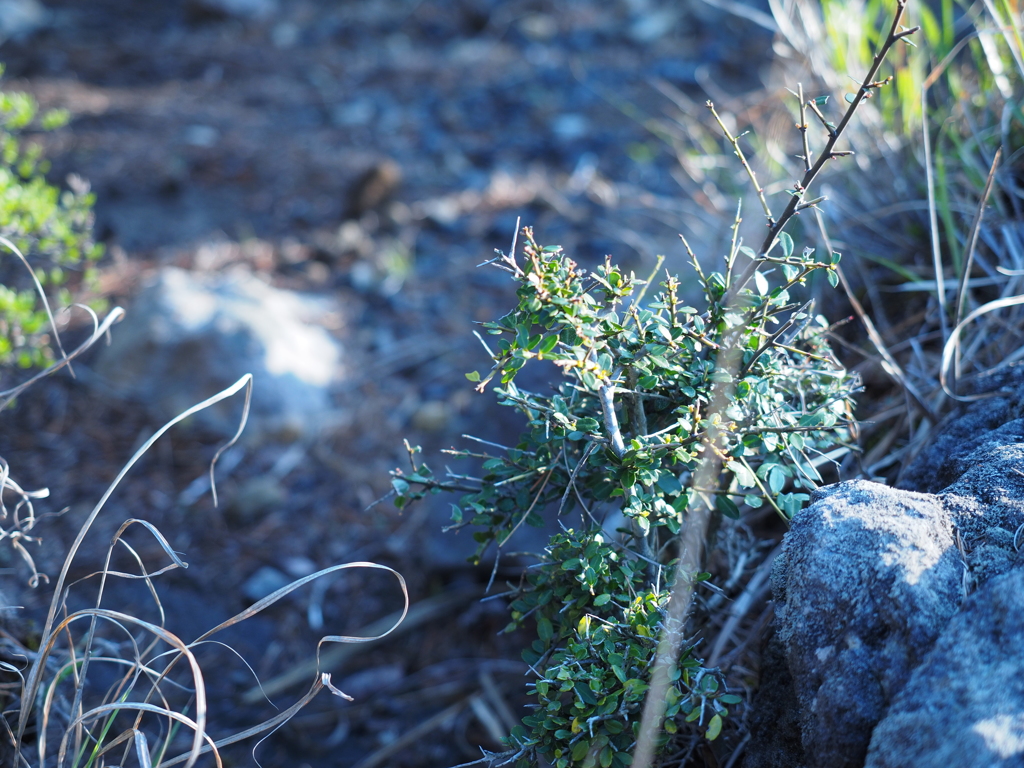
x: 264, y: 582
x: 254, y: 498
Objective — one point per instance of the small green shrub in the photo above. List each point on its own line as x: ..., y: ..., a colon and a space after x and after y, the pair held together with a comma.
x: 625, y: 432
x: 50, y: 227
x: 665, y: 414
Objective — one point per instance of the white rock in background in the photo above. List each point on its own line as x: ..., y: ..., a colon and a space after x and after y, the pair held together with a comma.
x: 21, y: 18
x: 188, y: 336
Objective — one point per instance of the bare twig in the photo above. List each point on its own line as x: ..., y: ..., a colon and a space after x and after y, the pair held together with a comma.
x: 743, y: 160
x: 867, y: 85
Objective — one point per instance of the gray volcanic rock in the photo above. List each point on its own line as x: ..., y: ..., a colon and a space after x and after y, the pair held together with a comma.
x: 867, y: 579
x: 987, y: 505
x: 964, y: 705
x: 775, y: 719
x: 190, y: 335
x: 993, y: 421
x: 873, y: 636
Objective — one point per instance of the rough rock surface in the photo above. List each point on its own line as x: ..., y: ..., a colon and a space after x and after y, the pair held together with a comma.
x: 775, y: 721
x: 964, y: 705
x: 987, y: 506
x: 995, y: 420
x: 900, y: 614
x: 867, y: 579
x: 188, y: 336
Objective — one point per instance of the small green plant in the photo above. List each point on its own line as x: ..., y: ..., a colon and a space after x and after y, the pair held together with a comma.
x: 52, y: 228
x: 650, y: 392
x: 619, y: 442
x: 668, y: 417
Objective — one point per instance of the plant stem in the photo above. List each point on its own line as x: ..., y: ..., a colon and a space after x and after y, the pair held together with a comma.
x: 803, y: 126
x: 868, y: 84
x: 746, y: 166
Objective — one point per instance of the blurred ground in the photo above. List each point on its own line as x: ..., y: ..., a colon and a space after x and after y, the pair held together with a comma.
x: 374, y: 150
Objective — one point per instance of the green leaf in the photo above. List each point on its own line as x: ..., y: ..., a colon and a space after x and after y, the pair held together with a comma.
x: 787, y: 244
x: 790, y: 271
x: 585, y: 694
x: 580, y: 749
x: 473, y: 376
x: 544, y: 628
x: 743, y: 475
x: 836, y: 256
x: 821, y: 101
x: 777, y: 479
x: 850, y: 97
x: 727, y: 507
x: 833, y: 278
x: 548, y: 345
x: 761, y: 282
x: 669, y: 483
x: 602, y: 599
x: 714, y: 728
x: 456, y: 513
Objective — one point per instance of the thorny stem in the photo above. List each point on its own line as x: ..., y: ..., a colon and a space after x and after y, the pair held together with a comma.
x: 770, y: 341
x: 734, y: 244
x: 694, y: 535
x: 734, y: 140
x: 803, y: 126
x: 825, y: 124
x: 638, y: 417
x: 868, y: 84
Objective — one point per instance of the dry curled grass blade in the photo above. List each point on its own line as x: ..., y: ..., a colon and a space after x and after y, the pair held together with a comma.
x: 268, y: 725
x: 272, y: 598
x: 42, y: 294
x: 952, y: 346
x: 124, y: 620
x: 47, y: 636
x: 89, y: 724
x: 99, y: 330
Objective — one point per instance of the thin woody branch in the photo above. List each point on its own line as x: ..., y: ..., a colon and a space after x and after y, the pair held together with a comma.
x: 867, y: 85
